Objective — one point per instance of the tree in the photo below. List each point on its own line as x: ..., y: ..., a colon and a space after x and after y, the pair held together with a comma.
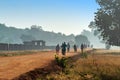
x: 93, y: 26
x: 80, y: 39
x: 107, y: 21
x: 97, y: 33
x: 107, y: 46
x: 27, y: 37
x: 36, y: 28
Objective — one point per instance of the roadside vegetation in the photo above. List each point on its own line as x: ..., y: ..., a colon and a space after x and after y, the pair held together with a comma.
x: 86, y: 67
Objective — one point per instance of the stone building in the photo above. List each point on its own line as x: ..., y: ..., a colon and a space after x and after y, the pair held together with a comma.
x: 27, y: 45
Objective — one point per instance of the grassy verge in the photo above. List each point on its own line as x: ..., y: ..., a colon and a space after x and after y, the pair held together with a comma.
x: 86, y: 68
x: 78, y: 67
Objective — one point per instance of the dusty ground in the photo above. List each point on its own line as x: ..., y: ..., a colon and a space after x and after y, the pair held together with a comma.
x: 11, y: 67
x: 102, y: 51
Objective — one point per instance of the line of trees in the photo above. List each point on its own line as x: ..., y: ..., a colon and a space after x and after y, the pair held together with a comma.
x: 17, y: 36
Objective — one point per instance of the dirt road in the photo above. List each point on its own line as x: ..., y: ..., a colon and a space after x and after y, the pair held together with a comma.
x: 11, y: 67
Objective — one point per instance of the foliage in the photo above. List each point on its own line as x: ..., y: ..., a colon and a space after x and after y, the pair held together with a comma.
x: 27, y: 37
x: 107, y: 21
x: 17, y: 36
x: 62, y: 62
x: 85, y: 69
x: 80, y: 39
x: 107, y: 46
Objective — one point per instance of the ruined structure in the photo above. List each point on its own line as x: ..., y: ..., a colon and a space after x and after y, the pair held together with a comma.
x: 27, y: 45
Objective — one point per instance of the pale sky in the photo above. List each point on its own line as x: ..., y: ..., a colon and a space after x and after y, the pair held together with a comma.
x: 65, y: 16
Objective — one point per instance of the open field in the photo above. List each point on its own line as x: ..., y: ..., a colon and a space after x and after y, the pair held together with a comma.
x: 14, y: 66
x: 11, y: 67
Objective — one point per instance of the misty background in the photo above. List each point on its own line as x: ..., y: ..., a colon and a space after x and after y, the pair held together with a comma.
x: 14, y: 35
x: 60, y: 21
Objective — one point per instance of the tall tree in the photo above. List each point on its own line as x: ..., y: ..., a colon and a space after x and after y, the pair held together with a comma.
x: 27, y: 37
x: 81, y: 39
x: 107, y: 21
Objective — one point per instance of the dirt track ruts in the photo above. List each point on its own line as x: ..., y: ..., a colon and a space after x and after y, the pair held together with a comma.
x: 14, y: 66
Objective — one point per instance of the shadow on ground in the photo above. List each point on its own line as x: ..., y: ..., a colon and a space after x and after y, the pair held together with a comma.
x: 42, y: 72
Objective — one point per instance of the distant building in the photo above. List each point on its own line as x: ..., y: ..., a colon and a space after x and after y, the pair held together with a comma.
x: 27, y: 45
x: 35, y: 43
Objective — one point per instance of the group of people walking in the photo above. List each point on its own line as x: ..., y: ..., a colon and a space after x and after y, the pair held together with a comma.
x: 65, y: 47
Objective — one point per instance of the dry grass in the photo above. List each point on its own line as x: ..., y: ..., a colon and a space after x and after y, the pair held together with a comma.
x: 16, y: 65
x: 18, y: 53
x: 95, y: 67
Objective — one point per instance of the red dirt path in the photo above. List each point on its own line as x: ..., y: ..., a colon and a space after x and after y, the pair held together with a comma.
x: 11, y: 67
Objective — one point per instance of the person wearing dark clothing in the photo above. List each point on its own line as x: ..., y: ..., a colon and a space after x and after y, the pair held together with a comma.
x: 68, y: 47
x: 91, y: 46
x: 57, y: 49
x: 63, y: 48
x: 82, y: 47
x: 75, y: 48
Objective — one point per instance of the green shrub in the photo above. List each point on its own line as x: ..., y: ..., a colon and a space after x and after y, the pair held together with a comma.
x: 62, y: 62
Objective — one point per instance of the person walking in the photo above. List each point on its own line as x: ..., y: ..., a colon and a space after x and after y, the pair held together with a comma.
x: 64, y: 48
x: 57, y: 49
x: 75, y: 48
x: 68, y: 47
x: 82, y: 47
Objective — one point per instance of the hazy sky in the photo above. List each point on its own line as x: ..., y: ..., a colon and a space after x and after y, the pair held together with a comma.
x: 66, y: 16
